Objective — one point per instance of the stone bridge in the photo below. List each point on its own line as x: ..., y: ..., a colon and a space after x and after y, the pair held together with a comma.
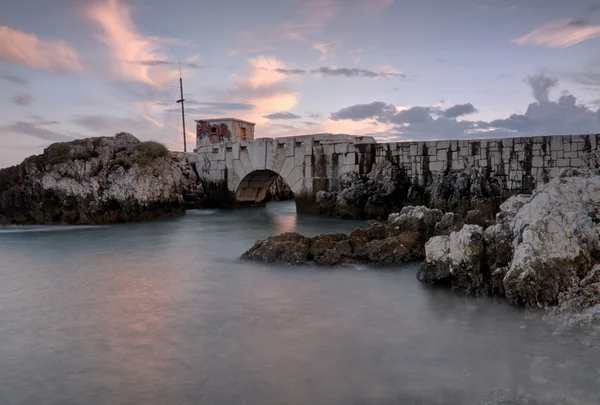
x: 242, y: 172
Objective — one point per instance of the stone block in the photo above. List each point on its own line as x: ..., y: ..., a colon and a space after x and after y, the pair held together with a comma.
x: 463, y: 151
x: 577, y: 138
x: 288, y: 145
x: 229, y: 159
x: 537, y: 162
x: 349, y: 158
x: 554, y: 155
x: 570, y: 155
x: 484, y: 143
x: 458, y: 164
x: 308, y: 169
x: 554, y: 172
x: 556, y: 143
x: 235, y: 150
x: 442, y: 154
x: 245, y: 159
x: 257, y: 152
x: 507, y: 142
x: 518, y: 147
x: 287, y: 167
x: 299, y: 157
x: 277, y: 163
x: 308, y: 146
x: 443, y: 145
x: 294, y: 176
x: 341, y: 148
x: 432, y: 151
x: 414, y: 149
x: 559, y: 154
x: 576, y: 162
x: 454, y: 155
x: 239, y: 169
x: 563, y: 163
x: 483, y: 162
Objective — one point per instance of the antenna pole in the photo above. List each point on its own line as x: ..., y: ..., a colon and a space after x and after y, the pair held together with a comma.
x: 182, y: 108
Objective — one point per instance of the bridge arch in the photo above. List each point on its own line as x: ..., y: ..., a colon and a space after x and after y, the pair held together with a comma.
x: 254, y: 187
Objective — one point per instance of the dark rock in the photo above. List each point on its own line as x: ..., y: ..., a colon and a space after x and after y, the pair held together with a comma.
x: 446, y: 225
x: 289, y: 247
x: 475, y: 217
x: 372, y: 245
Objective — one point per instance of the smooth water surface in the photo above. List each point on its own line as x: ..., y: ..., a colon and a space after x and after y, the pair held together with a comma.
x: 162, y: 312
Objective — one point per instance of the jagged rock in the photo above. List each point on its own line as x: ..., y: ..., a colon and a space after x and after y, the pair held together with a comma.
x: 555, y: 239
x: 289, y: 247
x: 540, y: 253
x: 99, y: 180
x: 456, y: 260
x: 387, y: 188
x: 416, y: 219
x: 446, y: 224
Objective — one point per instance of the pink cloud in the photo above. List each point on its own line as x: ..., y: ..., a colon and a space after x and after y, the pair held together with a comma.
x: 134, y: 56
x: 264, y: 88
x: 560, y: 34
x: 20, y: 48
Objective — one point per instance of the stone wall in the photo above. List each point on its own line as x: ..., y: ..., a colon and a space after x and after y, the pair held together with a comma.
x: 313, y: 163
x: 523, y: 162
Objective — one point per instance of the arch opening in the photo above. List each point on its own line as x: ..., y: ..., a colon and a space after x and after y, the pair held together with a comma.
x: 261, y: 186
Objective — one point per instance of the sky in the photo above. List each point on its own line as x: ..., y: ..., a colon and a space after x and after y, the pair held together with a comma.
x: 393, y: 69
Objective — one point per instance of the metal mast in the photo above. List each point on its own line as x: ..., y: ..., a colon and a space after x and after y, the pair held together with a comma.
x: 182, y: 100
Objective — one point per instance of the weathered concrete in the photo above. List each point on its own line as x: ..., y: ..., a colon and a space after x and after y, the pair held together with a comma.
x: 313, y: 163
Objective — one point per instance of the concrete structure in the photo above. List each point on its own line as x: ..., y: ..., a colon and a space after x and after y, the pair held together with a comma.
x: 312, y: 163
x: 218, y: 130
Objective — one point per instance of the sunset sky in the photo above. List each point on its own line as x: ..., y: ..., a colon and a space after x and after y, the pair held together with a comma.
x: 394, y: 69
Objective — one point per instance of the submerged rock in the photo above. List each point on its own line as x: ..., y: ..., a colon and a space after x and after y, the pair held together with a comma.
x: 399, y: 240
x: 289, y: 247
x: 98, y: 180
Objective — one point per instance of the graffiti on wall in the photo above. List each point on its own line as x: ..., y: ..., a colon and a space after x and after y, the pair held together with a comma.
x: 213, y: 132
x: 206, y: 165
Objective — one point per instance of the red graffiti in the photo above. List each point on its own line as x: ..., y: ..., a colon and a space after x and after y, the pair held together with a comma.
x: 213, y: 132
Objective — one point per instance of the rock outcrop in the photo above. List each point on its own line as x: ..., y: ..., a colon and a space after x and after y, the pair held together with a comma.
x: 399, y: 240
x: 386, y: 189
x: 98, y: 180
x: 543, y: 251
x: 457, y: 260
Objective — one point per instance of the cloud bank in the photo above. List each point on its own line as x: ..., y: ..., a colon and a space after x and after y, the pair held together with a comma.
x: 542, y: 117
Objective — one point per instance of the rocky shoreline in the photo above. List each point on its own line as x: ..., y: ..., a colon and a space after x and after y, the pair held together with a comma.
x: 97, y: 181
x: 542, y: 250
